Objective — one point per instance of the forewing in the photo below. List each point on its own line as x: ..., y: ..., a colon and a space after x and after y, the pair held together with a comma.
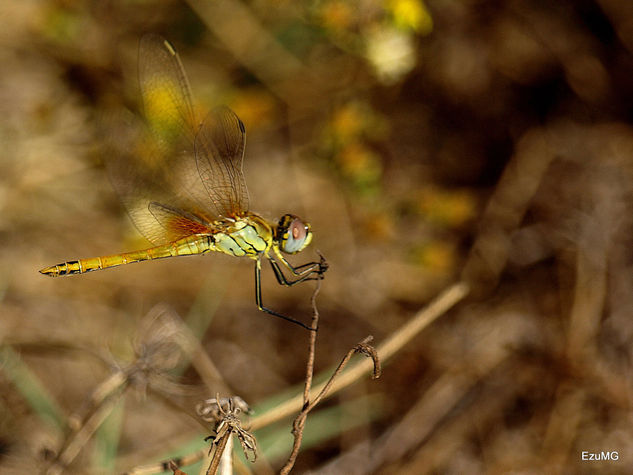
x: 155, y: 162
x: 166, y: 94
x: 219, y: 148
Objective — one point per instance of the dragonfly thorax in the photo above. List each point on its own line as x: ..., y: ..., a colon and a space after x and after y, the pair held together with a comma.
x: 248, y: 235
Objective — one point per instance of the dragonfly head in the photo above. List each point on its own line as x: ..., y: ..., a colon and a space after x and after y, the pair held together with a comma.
x: 292, y: 234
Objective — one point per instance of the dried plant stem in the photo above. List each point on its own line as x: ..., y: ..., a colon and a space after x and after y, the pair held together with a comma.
x: 227, y: 424
x: 116, y: 382
x: 419, y: 322
x: 102, y: 402
x: 362, y: 347
x: 218, y: 452
x: 299, y: 423
x: 312, y: 344
x: 226, y: 460
x: 174, y: 468
x: 391, y: 345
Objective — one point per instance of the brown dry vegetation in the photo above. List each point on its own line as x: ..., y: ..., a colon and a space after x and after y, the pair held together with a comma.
x: 458, y: 141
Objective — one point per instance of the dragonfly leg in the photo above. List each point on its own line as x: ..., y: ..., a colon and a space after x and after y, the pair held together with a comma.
x: 260, y: 304
x: 307, y: 268
x: 283, y: 280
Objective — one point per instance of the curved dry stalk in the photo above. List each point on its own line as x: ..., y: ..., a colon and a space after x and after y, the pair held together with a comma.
x: 81, y: 433
x: 363, y: 347
x: 394, y: 343
x: 299, y: 422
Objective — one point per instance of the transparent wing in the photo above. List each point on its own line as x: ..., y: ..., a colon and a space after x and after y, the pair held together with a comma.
x: 219, y: 147
x: 166, y: 93
x: 155, y: 162
x: 176, y: 222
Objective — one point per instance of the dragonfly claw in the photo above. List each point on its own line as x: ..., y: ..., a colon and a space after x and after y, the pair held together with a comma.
x: 323, y: 265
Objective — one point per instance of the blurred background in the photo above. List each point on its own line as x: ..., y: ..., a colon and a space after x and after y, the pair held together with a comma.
x: 426, y: 143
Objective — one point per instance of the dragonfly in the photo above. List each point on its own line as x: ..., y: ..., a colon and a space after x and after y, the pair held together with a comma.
x: 181, y: 181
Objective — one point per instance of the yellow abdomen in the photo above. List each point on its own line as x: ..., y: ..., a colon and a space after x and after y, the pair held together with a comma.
x: 190, y: 245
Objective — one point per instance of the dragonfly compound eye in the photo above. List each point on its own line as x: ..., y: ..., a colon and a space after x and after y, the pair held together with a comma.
x: 293, y: 234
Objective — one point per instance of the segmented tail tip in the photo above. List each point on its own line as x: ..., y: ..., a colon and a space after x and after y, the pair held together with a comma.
x: 50, y: 271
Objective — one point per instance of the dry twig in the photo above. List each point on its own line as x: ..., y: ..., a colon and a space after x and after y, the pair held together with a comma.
x: 174, y: 468
x: 299, y: 422
x: 394, y: 343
